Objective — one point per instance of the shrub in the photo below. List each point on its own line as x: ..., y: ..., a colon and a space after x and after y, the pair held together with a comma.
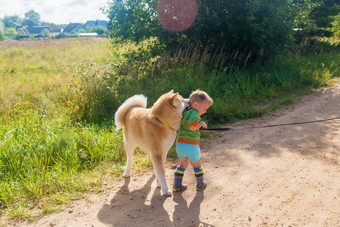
x: 2, y: 36
x: 262, y: 26
x: 93, y: 97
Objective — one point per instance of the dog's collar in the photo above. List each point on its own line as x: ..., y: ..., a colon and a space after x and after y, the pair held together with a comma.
x: 165, y: 123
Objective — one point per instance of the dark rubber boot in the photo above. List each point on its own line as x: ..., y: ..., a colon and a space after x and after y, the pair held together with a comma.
x: 178, y: 186
x: 201, y: 184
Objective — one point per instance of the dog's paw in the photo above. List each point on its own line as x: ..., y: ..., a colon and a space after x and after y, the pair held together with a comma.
x: 166, y: 193
x: 158, y: 184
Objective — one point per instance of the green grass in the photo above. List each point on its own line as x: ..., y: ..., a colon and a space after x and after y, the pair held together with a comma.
x: 40, y: 156
x: 238, y: 93
x: 46, y: 157
x: 58, y: 98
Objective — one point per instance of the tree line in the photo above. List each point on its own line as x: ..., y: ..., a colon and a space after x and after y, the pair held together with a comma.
x: 262, y: 27
x: 9, y: 25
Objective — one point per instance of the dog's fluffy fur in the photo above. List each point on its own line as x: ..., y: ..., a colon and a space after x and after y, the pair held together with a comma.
x: 144, y: 128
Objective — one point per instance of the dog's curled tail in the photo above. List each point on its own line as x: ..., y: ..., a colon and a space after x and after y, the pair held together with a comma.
x: 134, y: 101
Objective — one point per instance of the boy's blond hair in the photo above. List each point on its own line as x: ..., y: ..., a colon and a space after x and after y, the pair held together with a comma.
x: 200, y: 96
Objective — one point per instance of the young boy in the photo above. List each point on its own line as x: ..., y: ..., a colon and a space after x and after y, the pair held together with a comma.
x: 187, y: 144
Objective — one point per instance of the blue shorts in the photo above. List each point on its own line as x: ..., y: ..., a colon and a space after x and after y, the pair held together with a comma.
x: 188, y: 150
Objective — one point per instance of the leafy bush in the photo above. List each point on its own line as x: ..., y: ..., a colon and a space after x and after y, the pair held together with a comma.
x: 93, y: 97
x: 262, y: 27
x: 2, y: 36
x: 336, y: 26
x: 100, y: 30
x: 11, y: 31
x: 238, y: 86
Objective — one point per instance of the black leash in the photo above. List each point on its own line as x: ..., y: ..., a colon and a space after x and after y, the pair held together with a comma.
x: 269, y: 126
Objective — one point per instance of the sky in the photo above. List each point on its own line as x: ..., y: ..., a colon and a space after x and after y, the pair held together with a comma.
x: 56, y: 11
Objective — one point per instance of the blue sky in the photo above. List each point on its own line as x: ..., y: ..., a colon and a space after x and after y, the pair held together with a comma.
x: 56, y: 11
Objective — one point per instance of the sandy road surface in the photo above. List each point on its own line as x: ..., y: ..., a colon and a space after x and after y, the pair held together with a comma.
x: 282, y: 176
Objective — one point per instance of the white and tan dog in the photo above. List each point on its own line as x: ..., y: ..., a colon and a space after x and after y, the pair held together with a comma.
x: 153, y: 130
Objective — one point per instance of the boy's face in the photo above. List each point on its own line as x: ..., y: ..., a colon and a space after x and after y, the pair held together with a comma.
x: 201, y: 107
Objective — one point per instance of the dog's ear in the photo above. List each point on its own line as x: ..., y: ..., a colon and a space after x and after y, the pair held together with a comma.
x: 172, y: 91
x: 176, y: 100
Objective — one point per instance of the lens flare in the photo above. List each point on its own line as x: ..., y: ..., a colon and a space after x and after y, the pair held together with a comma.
x: 176, y: 15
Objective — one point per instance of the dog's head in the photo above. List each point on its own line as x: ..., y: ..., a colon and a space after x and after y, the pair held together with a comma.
x: 169, y: 108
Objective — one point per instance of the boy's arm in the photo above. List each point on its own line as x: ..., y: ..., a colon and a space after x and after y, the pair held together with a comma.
x: 197, y: 125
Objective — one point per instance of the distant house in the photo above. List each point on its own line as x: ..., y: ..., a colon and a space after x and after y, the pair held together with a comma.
x: 22, y: 31
x: 92, y: 34
x: 37, y: 32
x: 95, y: 23
x: 73, y: 27
x: 57, y: 30
x: 37, y: 29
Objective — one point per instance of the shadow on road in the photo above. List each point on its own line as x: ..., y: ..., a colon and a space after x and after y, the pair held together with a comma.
x: 185, y: 215
x: 136, y: 208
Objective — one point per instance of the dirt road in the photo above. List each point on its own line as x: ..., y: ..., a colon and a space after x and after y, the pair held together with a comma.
x: 282, y: 176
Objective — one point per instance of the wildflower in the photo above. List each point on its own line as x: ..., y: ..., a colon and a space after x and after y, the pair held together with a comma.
x: 68, y: 103
x: 2, y: 144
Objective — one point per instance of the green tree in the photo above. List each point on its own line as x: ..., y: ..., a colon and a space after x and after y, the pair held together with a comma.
x: 2, y: 36
x: 323, y: 16
x: 258, y: 25
x: 100, y: 30
x: 315, y: 18
x: 46, y: 33
x: 2, y: 26
x: 133, y: 19
x: 52, y: 25
x: 31, y: 36
x: 251, y: 25
x: 10, y: 31
x: 32, y: 18
x: 336, y: 26
x: 80, y: 31
x: 12, y: 21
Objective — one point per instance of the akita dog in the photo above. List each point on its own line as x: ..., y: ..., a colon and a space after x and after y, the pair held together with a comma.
x: 153, y: 130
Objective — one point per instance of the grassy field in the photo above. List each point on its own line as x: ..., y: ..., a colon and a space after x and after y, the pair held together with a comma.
x: 58, y: 98
x: 47, y: 157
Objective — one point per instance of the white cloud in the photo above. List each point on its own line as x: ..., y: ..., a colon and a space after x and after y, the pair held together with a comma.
x: 56, y: 11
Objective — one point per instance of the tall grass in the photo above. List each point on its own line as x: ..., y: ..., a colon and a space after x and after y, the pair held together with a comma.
x: 44, y: 151
x: 240, y: 88
x: 41, y: 71
x: 41, y: 156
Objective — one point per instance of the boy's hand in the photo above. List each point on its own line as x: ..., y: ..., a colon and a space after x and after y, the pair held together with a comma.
x: 200, y: 124
x: 203, y: 125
